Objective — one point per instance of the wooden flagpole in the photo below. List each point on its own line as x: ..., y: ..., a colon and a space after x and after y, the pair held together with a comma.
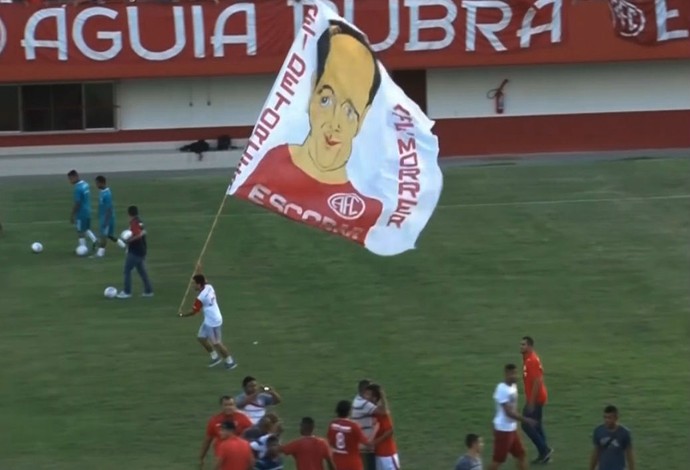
x: 197, y: 266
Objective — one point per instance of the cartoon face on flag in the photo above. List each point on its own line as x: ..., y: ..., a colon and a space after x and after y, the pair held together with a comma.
x: 338, y: 145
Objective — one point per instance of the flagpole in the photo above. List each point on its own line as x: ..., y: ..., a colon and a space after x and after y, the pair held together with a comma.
x: 197, y: 266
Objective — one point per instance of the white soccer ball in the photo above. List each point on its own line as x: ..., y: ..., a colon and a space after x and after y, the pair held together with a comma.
x: 81, y: 250
x: 110, y: 292
x: 126, y: 235
x: 36, y: 247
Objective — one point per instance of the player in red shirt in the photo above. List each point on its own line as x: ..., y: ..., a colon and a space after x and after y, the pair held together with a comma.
x: 234, y: 453
x: 309, y: 451
x: 229, y: 412
x: 345, y: 437
x: 535, y: 398
x: 385, y: 449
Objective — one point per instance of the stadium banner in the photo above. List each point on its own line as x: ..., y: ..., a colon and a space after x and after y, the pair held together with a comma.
x: 147, y: 39
x: 651, y: 22
x: 157, y: 39
x: 339, y: 146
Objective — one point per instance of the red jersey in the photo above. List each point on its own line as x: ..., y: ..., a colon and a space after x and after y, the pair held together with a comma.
x: 137, y: 247
x: 531, y: 371
x: 213, y: 427
x: 344, y: 437
x: 309, y: 452
x: 387, y: 447
x: 234, y: 453
x: 279, y: 186
x: 135, y: 226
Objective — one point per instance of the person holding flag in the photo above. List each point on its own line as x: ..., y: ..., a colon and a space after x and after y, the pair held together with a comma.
x: 210, y: 331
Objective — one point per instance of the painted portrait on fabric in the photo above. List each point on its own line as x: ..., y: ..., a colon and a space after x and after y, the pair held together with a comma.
x: 310, y: 173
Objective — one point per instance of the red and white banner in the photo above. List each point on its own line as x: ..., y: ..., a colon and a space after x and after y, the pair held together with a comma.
x: 651, y: 22
x: 133, y: 40
x: 338, y: 145
x: 232, y: 37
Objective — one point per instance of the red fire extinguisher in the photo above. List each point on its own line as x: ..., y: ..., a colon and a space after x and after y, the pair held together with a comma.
x: 498, y: 96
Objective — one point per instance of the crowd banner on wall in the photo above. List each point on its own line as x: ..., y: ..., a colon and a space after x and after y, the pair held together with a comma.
x: 121, y: 40
x: 338, y: 146
x: 651, y: 22
x: 111, y: 32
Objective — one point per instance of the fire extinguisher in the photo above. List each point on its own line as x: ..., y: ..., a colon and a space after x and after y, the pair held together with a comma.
x: 498, y: 96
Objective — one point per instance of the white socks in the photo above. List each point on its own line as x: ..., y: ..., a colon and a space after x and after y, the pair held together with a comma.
x: 121, y: 244
x: 91, y: 236
x: 100, y: 252
x: 214, y: 356
x: 82, y: 242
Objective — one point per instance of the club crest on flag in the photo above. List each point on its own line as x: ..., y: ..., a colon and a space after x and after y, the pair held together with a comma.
x: 348, y: 206
x: 339, y: 146
x: 628, y: 19
x: 651, y: 22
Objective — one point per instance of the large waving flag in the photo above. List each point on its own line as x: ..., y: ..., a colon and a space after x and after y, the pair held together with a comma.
x: 651, y: 22
x: 339, y: 146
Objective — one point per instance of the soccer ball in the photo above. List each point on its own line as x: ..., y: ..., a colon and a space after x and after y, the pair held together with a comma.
x: 126, y: 235
x: 110, y: 292
x: 36, y: 247
x: 81, y: 250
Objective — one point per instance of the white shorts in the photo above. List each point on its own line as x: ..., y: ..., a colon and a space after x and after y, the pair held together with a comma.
x: 211, y: 333
x: 388, y: 463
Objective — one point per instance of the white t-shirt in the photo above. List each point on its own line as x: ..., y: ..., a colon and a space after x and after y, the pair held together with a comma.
x: 207, y: 298
x: 259, y: 446
x: 505, y: 394
x: 254, y: 410
x: 363, y: 414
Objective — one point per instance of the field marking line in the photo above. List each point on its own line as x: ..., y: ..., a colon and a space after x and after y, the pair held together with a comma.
x: 44, y: 267
x: 566, y: 201
x: 440, y: 206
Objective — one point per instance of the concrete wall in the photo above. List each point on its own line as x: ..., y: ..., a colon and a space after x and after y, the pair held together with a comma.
x: 560, y: 89
x: 192, y: 102
x: 451, y: 94
x: 571, y: 108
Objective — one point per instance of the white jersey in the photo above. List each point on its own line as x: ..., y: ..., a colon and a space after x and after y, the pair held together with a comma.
x: 391, y: 462
x: 259, y: 446
x: 209, y: 305
x: 363, y: 414
x: 505, y: 394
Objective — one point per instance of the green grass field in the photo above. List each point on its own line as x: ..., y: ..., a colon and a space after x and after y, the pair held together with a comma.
x: 590, y: 259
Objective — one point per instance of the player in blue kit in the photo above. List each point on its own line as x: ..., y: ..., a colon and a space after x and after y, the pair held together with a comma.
x: 106, y: 216
x: 81, y: 210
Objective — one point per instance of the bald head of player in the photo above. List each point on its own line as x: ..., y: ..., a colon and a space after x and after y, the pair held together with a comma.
x: 344, y: 86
